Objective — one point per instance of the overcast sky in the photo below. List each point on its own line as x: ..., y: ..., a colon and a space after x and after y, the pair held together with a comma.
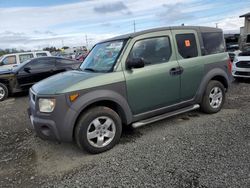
x: 32, y: 24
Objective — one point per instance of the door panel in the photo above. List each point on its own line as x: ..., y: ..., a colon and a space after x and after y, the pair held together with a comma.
x: 39, y: 69
x: 191, y: 62
x: 153, y: 86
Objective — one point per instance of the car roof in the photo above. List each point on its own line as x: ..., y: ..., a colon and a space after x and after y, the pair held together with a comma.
x: 22, y: 53
x: 52, y: 57
x: 196, y: 28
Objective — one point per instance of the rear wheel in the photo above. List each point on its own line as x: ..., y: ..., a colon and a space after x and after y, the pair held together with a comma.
x: 3, y: 92
x: 98, y: 129
x: 213, y: 98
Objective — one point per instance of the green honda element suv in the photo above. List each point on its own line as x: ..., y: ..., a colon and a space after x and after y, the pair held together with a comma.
x: 134, y: 80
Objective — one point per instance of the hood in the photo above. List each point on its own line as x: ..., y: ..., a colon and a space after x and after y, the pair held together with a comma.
x: 243, y: 58
x: 5, y: 71
x: 64, y: 82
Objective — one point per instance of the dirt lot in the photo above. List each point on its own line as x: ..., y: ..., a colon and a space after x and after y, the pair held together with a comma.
x: 189, y: 150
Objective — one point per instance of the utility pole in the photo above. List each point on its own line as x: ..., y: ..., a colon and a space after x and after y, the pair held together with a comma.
x: 86, y: 38
x: 134, y: 27
x: 216, y: 25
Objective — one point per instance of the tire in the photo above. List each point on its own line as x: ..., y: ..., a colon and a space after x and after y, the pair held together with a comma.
x: 98, y: 129
x: 4, y: 93
x: 213, y: 98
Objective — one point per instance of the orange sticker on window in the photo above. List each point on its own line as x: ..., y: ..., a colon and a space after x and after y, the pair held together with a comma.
x: 187, y: 43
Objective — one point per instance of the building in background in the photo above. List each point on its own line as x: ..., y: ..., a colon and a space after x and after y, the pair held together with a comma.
x: 244, y: 42
x: 246, y: 29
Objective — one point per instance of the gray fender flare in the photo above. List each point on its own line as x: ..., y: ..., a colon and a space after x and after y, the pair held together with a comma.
x: 209, y: 76
x: 98, y: 96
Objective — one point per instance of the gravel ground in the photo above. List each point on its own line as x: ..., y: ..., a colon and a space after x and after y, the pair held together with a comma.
x: 190, y: 150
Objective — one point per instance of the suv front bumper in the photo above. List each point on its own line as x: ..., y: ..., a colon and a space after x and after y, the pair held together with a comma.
x: 241, y: 72
x: 44, y: 128
x: 57, y: 125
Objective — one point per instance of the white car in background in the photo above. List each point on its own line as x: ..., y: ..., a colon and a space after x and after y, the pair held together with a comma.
x: 241, y: 65
x: 9, y: 61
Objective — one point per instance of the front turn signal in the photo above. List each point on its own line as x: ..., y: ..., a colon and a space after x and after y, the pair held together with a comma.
x: 73, y: 97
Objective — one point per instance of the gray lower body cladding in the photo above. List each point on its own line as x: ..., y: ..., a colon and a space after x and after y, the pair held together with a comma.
x: 59, y: 124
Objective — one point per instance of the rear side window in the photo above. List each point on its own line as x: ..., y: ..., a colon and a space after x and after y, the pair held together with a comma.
x: 152, y: 50
x: 24, y: 57
x: 187, y: 46
x: 41, y: 54
x: 213, y: 43
x: 41, y: 64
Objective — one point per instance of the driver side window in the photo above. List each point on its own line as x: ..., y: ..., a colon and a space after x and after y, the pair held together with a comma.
x: 41, y: 64
x: 152, y: 50
x: 9, y: 60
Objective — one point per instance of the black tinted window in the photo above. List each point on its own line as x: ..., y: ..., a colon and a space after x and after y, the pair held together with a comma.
x: 64, y: 61
x: 152, y: 51
x: 187, y: 46
x: 41, y: 63
x: 213, y: 43
x: 246, y: 53
x: 248, y: 39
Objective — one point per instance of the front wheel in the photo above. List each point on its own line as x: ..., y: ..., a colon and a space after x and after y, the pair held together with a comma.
x: 213, y: 98
x: 3, y: 92
x: 98, y: 129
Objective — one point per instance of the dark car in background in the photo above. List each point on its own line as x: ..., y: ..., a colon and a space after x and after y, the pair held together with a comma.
x: 31, y: 71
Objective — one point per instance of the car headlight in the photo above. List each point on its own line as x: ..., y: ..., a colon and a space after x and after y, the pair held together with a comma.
x: 46, y: 105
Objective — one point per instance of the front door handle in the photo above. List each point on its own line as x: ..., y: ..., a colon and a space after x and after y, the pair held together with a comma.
x: 176, y: 71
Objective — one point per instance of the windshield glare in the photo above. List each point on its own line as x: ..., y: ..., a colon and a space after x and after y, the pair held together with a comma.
x: 103, y: 56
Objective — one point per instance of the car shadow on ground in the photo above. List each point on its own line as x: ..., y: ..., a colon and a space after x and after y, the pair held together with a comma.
x: 20, y: 94
x: 242, y: 80
x: 130, y: 134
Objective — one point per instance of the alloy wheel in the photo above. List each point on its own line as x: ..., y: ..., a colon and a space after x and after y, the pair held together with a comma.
x: 101, y: 131
x: 215, y: 97
x: 2, y: 93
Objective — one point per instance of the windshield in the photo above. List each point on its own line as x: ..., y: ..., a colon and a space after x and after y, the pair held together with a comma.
x: 19, y: 66
x: 246, y: 53
x: 103, y: 56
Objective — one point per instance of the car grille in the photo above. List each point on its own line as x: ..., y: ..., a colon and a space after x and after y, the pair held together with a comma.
x: 243, y: 64
x: 242, y: 73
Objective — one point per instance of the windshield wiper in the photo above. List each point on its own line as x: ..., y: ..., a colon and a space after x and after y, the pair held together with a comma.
x: 90, y: 69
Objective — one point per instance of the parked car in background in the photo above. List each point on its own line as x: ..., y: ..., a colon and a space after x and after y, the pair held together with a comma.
x: 12, y: 60
x: 134, y: 79
x: 81, y: 57
x: 241, y: 65
x: 233, y: 54
x: 232, y: 47
x: 22, y: 77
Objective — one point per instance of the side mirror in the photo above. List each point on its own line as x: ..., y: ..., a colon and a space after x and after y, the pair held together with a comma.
x: 27, y: 69
x: 1, y: 63
x: 135, y: 63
